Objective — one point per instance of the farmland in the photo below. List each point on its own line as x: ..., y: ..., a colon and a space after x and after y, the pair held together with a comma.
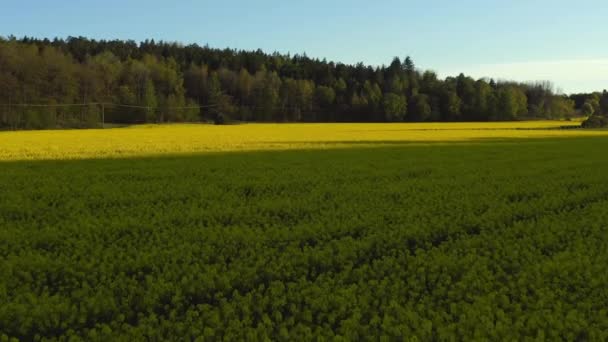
x: 147, y: 140
x: 300, y: 232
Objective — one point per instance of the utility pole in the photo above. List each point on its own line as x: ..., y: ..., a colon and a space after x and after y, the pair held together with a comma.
x: 10, y: 112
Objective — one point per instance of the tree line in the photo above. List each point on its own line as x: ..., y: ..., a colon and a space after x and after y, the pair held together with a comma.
x: 594, y: 106
x: 171, y: 82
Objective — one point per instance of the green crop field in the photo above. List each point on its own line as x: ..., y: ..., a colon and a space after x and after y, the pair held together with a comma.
x: 495, y: 239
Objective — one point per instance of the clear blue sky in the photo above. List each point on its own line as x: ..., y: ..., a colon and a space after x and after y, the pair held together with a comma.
x: 560, y: 40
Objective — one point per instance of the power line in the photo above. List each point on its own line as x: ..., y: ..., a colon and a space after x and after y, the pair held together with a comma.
x: 158, y: 108
x: 48, y: 105
x: 103, y: 104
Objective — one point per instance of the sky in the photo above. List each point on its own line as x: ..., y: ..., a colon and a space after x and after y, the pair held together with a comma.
x: 565, y: 42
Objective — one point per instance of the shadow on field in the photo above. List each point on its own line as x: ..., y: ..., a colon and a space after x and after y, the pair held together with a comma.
x: 569, y: 127
x: 341, y: 144
x: 509, y: 148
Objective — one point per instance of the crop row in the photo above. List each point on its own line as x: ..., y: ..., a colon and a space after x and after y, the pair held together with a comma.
x: 492, y: 241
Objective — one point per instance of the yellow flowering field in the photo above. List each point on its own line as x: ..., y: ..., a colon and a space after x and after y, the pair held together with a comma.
x: 195, y: 138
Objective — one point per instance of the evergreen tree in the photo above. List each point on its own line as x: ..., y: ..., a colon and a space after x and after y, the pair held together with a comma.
x: 248, y: 85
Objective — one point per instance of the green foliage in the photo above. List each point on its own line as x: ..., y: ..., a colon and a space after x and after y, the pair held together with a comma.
x: 149, y: 101
x: 159, y: 79
x: 511, y: 103
x: 587, y: 109
x: 265, y: 89
x: 451, y: 106
x: 395, y: 107
x: 507, y: 243
x: 561, y: 107
x: 420, y: 108
x: 596, y: 121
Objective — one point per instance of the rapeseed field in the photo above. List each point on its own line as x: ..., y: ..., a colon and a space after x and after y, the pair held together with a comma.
x: 440, y: 232
x: 149, y: 140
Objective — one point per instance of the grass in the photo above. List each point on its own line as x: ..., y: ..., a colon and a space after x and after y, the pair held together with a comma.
x: 195, y: 138
x: 491, y: 234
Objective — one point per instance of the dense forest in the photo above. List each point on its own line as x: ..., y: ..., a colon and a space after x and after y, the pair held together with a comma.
x: 74, y: 82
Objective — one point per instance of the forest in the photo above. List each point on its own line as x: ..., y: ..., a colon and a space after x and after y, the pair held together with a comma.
x: 80, y: 82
